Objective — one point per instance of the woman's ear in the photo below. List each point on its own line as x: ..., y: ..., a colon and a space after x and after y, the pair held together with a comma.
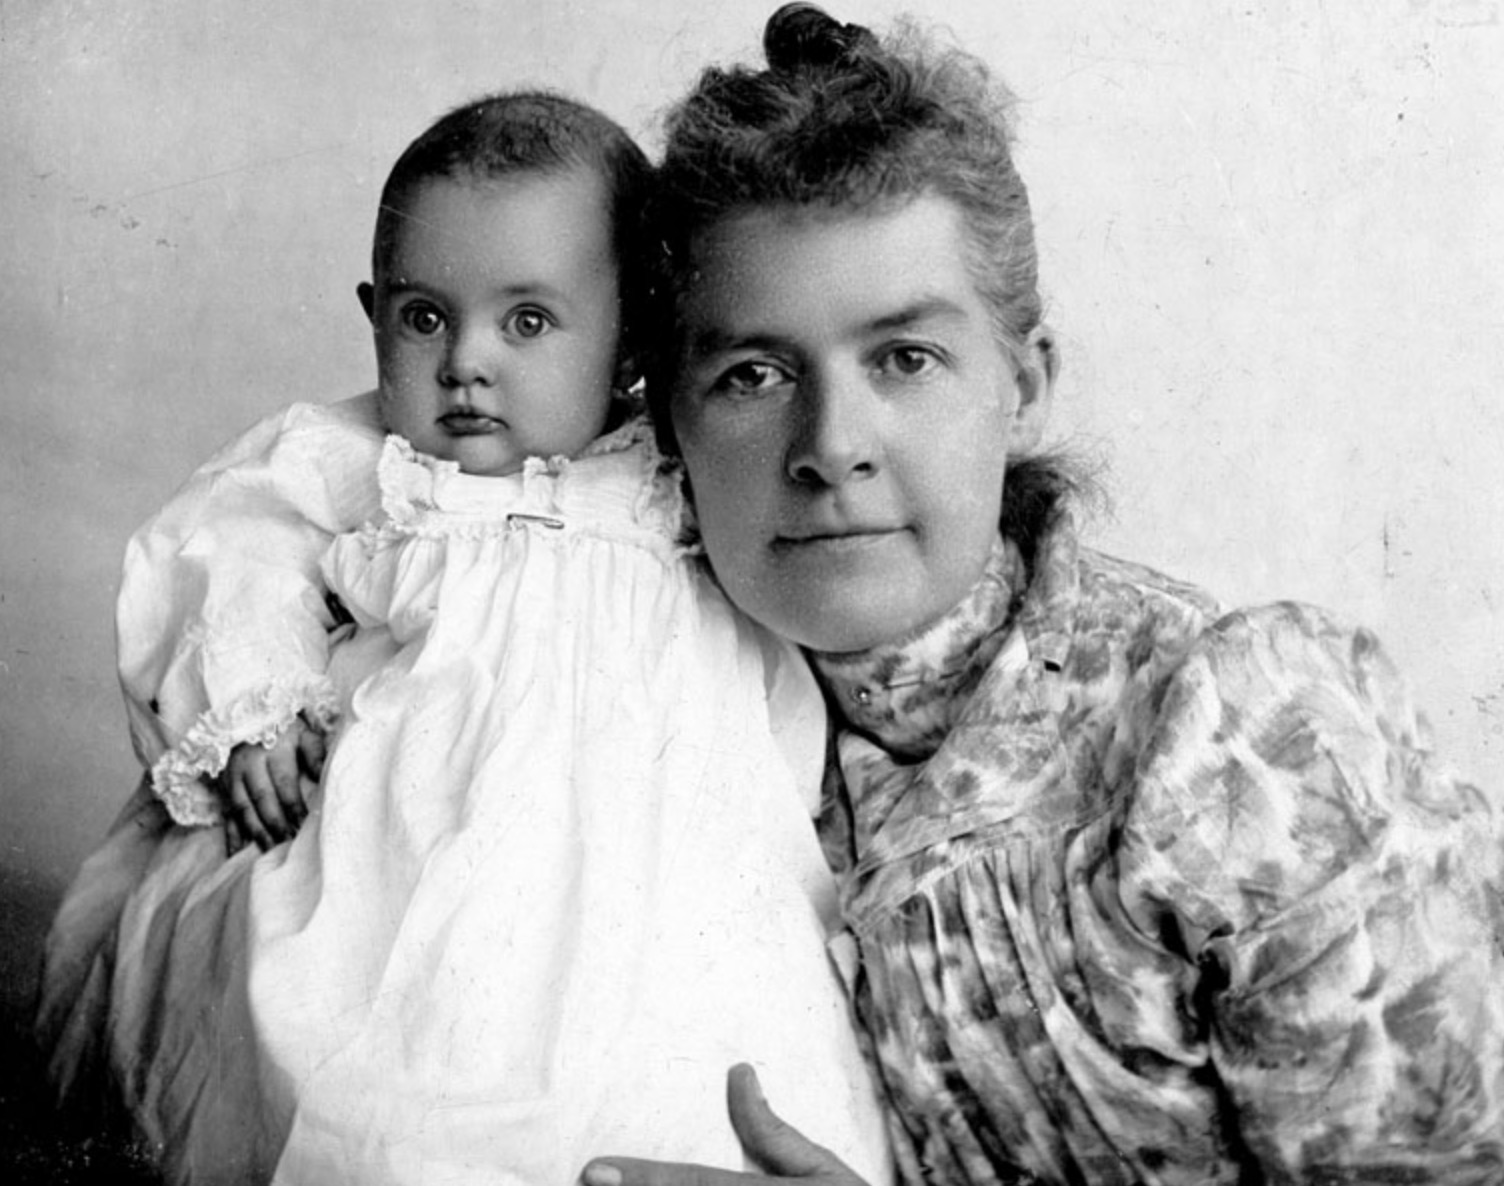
x: 367, y: 297
x: 627, y: 373
x: 1036, y: 369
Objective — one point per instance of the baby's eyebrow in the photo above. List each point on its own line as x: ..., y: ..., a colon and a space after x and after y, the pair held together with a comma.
x: 536, y: 289
x: 402, y: 284
x: 530, y: 288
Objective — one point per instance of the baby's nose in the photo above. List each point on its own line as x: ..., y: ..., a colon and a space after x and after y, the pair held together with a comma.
x: 473, y: 358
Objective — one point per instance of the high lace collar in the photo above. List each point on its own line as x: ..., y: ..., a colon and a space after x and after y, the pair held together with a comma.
x: 905, y: 694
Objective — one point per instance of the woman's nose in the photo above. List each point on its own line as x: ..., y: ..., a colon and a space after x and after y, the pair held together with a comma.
x: 471, y: 357
x: 834, y: 437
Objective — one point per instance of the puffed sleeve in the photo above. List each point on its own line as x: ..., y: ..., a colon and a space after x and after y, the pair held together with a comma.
x: 1339, y: 893
x: 221, y: 623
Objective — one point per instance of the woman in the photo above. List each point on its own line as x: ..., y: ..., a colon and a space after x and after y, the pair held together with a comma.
x: 1138, y: 890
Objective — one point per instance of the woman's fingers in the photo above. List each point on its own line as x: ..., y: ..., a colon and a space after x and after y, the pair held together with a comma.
x: 782, y: 1150
x: 774, y: 1143
x: 631, y: 1171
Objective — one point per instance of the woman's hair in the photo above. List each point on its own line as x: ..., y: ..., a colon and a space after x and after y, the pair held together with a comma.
x: 843, y: 119
x: 505, y: 134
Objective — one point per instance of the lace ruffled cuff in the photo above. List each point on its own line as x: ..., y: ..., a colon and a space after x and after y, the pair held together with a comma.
x: 181, y: 776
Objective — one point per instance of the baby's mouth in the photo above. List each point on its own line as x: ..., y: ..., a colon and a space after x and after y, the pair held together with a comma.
x: 470, y: 423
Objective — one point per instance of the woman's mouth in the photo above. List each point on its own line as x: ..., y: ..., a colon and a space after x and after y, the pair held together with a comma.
x: 834, y: 539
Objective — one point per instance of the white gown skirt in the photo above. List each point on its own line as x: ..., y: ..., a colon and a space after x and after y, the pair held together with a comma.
x: 561, y: 876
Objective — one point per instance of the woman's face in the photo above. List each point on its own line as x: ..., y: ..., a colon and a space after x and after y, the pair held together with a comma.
x: 845, y: 414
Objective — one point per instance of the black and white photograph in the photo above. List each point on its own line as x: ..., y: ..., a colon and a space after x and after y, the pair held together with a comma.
x: 885, y: 593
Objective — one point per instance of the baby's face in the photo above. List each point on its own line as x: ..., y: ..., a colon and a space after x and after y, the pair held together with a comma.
x: 496, y: 319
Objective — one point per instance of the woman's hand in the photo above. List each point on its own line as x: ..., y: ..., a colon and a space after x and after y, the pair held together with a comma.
x: 262, y: 786
x: 781, y: 1149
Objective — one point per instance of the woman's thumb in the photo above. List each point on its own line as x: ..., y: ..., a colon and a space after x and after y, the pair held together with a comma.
x: 777, y: 1146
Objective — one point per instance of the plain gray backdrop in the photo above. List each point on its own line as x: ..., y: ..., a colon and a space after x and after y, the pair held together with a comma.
x: 1272, y: 241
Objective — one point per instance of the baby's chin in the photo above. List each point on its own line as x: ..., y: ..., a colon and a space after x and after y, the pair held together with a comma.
x: 490, y: 471
x: 482, y: 456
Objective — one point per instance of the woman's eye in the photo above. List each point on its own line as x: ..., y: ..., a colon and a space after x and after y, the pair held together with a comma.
x: 908, y: 361
x: 529, y: 323
x: 422, y: 319
x: 750, y: 378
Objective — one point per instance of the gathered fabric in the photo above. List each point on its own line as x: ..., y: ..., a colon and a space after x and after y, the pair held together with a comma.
x: 222, y: 627
x: 558, y: 876
x: 1141, y: 891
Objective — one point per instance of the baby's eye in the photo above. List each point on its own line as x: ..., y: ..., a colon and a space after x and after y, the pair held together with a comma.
x: 529, y: 323
x: 750, y: 378
x: 423, y: 319
x: 908, y: 361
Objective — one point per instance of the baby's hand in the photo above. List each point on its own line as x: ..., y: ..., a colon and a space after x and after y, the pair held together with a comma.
x: 262, y: 786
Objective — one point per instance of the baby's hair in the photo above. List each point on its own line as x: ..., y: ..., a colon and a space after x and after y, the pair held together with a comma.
x: 533, y: 131
x: 845, y: 120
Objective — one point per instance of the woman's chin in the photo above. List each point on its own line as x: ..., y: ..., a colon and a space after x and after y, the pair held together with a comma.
x: 844, y: 628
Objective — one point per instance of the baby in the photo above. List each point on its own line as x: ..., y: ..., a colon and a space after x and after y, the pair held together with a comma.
x: 559, y: 870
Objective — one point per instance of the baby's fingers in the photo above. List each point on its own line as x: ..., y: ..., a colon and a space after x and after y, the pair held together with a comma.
x: 253, y: 799
x: 287, y: 786
x: 311, y: 751
x: 235, y: 837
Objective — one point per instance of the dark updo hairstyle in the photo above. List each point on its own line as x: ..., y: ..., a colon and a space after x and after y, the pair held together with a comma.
x: 845, y: 120
x: 505, y: 134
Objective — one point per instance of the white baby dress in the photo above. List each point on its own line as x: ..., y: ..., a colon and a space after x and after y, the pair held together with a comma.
x: 560, y: 874
x: 564, y: 865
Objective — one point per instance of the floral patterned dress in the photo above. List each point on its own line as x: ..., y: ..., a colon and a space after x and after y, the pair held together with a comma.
x: 1146, y: 893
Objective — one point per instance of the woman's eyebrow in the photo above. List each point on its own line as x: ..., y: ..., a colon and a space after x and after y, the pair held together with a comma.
x: 936, y: 308
x: 716, y: 339
x: 713, y: 339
